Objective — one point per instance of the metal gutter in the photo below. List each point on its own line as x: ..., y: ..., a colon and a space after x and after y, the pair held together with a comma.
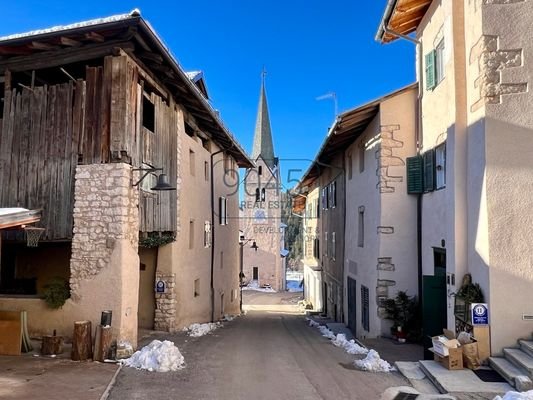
x: 391, y: 4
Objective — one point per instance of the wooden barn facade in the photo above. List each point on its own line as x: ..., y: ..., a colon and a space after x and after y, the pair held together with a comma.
x: 95, y: 96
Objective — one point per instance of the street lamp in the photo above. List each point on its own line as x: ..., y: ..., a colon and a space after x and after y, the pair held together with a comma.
x: 242, y: 243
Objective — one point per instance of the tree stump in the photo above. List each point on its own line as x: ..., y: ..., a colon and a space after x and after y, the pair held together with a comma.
x: 102, y: 342
x: 82, y: 344
x: 52, y: 345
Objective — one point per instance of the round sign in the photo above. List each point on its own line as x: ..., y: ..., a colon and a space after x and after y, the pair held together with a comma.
x: 480, y: 310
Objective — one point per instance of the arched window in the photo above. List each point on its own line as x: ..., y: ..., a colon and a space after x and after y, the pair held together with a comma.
x: 257, y: 196
x: 260, y: 170
x: 263, y: 194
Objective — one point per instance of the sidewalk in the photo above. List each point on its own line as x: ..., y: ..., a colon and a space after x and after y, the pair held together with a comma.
x: 44, y: 378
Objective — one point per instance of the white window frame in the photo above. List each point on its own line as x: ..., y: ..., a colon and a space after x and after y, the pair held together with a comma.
x: 440, y: 166
x: 439, y: 62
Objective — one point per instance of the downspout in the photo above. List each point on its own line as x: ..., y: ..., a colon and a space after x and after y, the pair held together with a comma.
x: 212, y: 283
x: 419, y: 144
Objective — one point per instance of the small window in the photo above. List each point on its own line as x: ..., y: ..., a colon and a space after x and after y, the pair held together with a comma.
x: 206, y: 170
x: 361, y: 158
x: 257, y: 195
x: 148, y: 114
x: 349, y: 165
x: 260, y: 170
x: 207, y: 234
x: 263, y: 194
x: 316, y: 248
x: 191, y: 234
x: 333, y: 246
x: 227, y: 163
x: 365, y: 312
x: 326, y: 247
x: 223, y: 212
x: 439, y: 62
x: 192, y: 161
x: 361, y: 227
x: 255, y: 273
x: 440, y: 166
x: 429, y: 170
x: 196, y: 287
x: 189, y: 130
x: 206, y: 144
x: 333, y: 188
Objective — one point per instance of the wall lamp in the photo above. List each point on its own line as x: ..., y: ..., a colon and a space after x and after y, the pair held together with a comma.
x: 162, y: 180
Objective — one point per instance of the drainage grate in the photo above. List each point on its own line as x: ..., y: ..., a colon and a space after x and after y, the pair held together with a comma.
x: 406, y: 396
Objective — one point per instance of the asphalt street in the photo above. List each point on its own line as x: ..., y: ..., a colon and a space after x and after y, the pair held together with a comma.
x: 269, y: 354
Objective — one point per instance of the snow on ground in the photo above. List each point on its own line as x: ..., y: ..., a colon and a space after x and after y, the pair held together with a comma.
x: 373, y: 363
x: 254, y: 285
x: 157, y: 356
x: 197, y: 330
x: 229, y: 317
x: 294, y: 286
x: 348, y: 345
x: 516, y: 396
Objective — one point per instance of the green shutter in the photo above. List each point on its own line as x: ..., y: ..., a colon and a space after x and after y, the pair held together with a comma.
x: 415, y: 175
x: 429, y: 171
x: 430, y: 70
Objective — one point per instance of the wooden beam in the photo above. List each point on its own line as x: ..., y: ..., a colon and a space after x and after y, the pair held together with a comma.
x: 56, y: 58
x: 65, y: 41
x: 144, y: 73
x: 42, y: 46
x: 94, y: 37
x: 14, y: 51
x: 157, y: 58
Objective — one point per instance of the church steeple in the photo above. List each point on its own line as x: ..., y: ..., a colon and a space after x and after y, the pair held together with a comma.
x: 263, y: 145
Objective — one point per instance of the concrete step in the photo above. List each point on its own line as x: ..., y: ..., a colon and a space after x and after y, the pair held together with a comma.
x: 518, y: 377
x: 520, y: 359
x: 526, y: 346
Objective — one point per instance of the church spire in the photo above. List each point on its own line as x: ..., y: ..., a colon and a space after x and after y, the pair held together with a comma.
x: 263, y: 145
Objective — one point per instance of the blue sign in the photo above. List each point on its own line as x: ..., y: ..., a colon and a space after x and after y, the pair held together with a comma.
x: 160, y: 287
x: 480, y: 313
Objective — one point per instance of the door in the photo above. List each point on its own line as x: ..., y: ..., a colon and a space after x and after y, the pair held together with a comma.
x: 352, y: 305
x: 256, y: 274
x: 325, y: 297
x: 433, y: 309
x: 146, y: 311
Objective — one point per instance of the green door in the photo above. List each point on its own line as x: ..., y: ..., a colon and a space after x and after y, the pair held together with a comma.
x: 433, y: 309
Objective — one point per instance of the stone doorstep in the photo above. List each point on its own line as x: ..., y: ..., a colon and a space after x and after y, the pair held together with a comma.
x: 458, y: 381
x: 512, y: 374
x: 416, y: 377
x: 526, y: 346
x: 520, y: 359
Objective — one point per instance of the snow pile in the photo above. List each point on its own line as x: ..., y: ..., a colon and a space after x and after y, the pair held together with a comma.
x: 373, y: 363
x: 312, y: 324
x: 326, y: 332
x: 348, y: 345
x: 254, y: 285
x: 516, y: 396
x: 157, y: 356
x: 228, y: 317
x: 197, y: 330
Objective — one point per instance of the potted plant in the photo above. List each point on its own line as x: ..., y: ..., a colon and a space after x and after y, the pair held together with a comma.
x: 56, y: 292
x: 402, y: 310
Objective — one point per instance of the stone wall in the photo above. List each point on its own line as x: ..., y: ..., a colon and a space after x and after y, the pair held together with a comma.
x: 165, y: 312
x: 105, y: 210
x: 386, y: 159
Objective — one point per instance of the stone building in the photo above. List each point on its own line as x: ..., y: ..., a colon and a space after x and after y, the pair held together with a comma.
x: 261, y: 207
x: 91, y: 115
x: 474, y: 151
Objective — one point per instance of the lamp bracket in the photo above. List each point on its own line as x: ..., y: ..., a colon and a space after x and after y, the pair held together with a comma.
x: 146, y: 172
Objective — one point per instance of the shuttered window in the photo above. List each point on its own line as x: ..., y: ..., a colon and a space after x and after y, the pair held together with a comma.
x: 365, y: 312
x: 223, y: 213
x: 429, y: 171
x: 430, y: 71
x: 415, y: 175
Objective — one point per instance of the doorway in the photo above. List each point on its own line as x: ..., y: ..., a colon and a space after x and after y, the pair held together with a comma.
x: 148, y: 263
x: 255, y: 275
x: 434, y: 309
x: 352, y: 305
x: 325, y: 297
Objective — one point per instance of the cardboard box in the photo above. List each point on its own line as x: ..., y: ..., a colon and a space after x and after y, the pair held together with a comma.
x: 453, y: 361
x: 470, y: 355
x: 442, y: 345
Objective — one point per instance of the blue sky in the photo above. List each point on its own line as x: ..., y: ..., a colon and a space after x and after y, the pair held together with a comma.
x: 309, y: 48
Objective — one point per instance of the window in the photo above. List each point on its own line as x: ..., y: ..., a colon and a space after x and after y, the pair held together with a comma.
x: 333, y: 249
x: 207, y: 234
x: 148, y: 114
x: 415, y: 174
x: 361, y: 227
x: 260, y: 170
x: 263, y: 194
x: 333, y: 194
x: 440, y: 166
x: 361, y: 158
x: 206, y: 170
x: 255, y: 273
x: 222, y: 211
x: 365, y: 312
x: 326, y: 247
x: 227, y: 163
x: 324, y: 199
x: 191, y: 161
x: 196, y: 287
x: 435, y: 66
x: 316, y: 248
x: 257, y: 195
x: 349, y: 165
x: 429, y: 170
x: 191, y: 234
x: 221, y: 260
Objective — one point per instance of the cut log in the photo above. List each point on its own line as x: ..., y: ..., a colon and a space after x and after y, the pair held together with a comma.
x: 82, y: 345
x: 102, y: 343
x: 52, y: 345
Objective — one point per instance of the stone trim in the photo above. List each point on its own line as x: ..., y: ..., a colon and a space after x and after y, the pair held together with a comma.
x: 165, y: 304
x: 386, y: 159
x: 385, y: 264
x: 382, y: 292
x: 491, y: 61
x: 385, y: 230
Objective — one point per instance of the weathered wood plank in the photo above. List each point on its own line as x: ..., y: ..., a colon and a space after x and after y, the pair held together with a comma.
x: 118, y: 106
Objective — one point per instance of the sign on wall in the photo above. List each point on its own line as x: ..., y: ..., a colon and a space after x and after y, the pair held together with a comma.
x: 160, y: 287
x: 479, y: 313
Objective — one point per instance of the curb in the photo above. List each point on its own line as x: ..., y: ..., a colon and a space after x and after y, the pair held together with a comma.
x: 110, y: 385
